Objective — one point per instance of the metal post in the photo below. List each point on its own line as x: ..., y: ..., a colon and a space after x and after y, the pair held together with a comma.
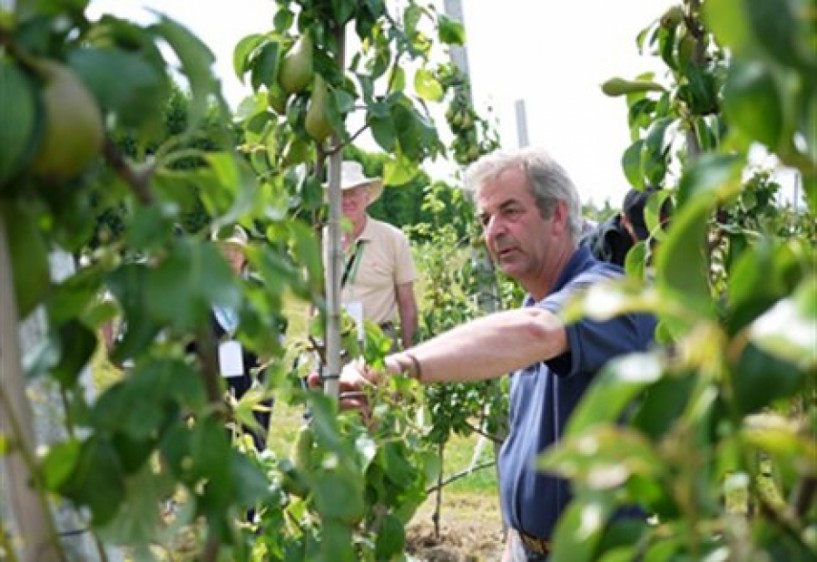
x: 521, y: 123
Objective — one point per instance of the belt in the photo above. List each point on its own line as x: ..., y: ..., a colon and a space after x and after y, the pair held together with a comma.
x: 534, y: 544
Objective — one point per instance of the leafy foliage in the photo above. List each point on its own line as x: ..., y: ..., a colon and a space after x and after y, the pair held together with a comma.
x: 695, y: 448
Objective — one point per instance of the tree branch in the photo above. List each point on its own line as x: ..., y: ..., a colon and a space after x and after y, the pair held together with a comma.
x: 138, y: 182
x: 459, y: 475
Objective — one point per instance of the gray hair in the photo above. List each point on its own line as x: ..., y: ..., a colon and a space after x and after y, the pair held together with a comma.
x: 548, y: 181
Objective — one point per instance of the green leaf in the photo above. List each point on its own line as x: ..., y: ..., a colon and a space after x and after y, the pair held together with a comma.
x: 241, y: 54
x: 97, y: 481
x: 18, y: 113
x: 614, y: 388
x: 265, y: 65
x: 776, y: 29
x: 427, y: 86
x: 604, y: 457
x: 631, y: 163
x: 713, y: 177
x: 788, y: 329
x: 128, y: 285
x: 450, y: 32
x: 139, y: 522
x: 184, y: 285
x: 59, y: 462
x: 383, y: 132
x: 125, y: 84
x: 682, y: 260
x: 778, y: 375
x: 727, y: 19
x: 283, y: 20
x: 252, y: 487
x: 580, y: 529
x: 210, y: 454
x: 399, y: 171
x: 752, y: 102
x: 391, y: 540
x: 234, y: 191
x: 77, y: 344
x: 662, y: 404
x: 338, y: 495
x: 336, y: 544
x: 343, y: 10
x: 29, y: 257
x: 196, y: 61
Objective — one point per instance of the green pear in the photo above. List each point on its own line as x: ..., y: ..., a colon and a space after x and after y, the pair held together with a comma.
x: 297, y: 66
x: 277, y: 99
x: 317, y: 118
x: 73, y: 133
x: 620, y: 87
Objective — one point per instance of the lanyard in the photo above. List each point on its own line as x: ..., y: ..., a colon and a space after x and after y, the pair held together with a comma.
x: 352, y: 265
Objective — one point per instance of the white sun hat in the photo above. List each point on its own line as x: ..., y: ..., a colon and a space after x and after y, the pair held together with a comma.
x: 351, y: 176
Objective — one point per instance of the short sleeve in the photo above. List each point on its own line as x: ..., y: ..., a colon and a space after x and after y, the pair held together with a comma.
x: 591, y: 344
x: 404, y: 271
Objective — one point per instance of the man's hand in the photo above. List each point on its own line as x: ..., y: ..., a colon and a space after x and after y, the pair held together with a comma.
x: 355, y: 378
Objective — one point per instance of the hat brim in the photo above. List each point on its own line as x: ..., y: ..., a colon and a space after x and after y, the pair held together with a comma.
x: 374, y: 186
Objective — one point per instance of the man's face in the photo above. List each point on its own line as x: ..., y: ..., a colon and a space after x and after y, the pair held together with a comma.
x: 354, y: 202
x: 517, y: 236
x: 234, y: 255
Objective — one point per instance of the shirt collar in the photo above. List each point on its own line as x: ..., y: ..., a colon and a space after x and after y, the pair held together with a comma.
x: 577, y: 263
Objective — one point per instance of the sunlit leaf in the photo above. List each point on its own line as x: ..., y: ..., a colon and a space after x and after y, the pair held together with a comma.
x: 789, y: 329
x: 427, y: 85
x: 399, y: 171
x: 603, y: 457
x: 59, y: 462
x: 580, y: 528
x: 614, y: 388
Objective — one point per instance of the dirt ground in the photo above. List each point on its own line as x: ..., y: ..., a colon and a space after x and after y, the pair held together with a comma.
x: 470, y: 530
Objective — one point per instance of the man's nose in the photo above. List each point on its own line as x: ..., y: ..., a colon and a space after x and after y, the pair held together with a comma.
x: 493, y: 228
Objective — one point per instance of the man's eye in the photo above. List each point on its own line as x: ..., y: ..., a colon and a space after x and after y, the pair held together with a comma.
x: 484, y: 219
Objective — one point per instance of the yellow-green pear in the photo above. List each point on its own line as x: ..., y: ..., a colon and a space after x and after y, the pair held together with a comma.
x: 620, y: 87
x: 295, y: 73
x: 317, y: 118
x: 74, y: 133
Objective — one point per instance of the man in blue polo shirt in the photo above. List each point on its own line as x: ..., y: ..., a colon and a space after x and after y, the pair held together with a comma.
x: 531, y: 216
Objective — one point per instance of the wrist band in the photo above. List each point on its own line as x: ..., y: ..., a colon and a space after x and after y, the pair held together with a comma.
x: 417, y: 373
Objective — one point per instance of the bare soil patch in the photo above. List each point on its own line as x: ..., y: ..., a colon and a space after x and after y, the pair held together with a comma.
x: 470, y: 530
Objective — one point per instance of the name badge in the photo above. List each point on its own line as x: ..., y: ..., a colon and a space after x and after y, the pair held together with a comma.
x: 355, y: 310
x: 230, y: 359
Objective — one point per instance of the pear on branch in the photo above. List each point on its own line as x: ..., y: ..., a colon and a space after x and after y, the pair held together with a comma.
x: 317, y: 117
x: 297, y: 68
x: 620, y: 87
x: 73, y: 131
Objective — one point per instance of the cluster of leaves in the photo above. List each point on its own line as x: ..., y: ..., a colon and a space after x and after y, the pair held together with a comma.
x: 714, y: 433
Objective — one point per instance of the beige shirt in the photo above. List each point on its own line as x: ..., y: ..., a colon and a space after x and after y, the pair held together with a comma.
x: 383, y: 261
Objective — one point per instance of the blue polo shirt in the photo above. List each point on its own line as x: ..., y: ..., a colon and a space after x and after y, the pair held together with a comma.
x: 543, y: 395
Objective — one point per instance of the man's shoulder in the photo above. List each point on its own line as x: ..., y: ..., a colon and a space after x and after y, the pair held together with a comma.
x: 385, y: 229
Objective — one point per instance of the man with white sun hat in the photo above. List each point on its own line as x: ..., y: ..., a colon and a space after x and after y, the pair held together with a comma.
x: 378, y: 272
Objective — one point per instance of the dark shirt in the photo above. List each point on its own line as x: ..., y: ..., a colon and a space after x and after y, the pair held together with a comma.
x: 543, y: 396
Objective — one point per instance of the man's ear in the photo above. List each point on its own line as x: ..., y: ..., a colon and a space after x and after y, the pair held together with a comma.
x: 559, y: 218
